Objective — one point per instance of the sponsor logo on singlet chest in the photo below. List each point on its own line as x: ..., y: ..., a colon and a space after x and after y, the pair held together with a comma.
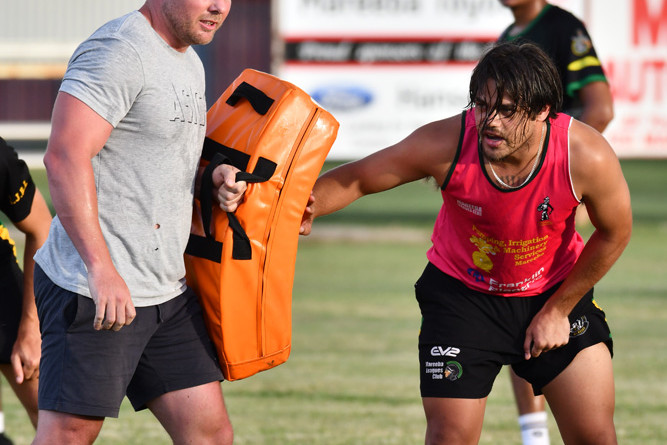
x: 472, y: 208
x: 545, y: 209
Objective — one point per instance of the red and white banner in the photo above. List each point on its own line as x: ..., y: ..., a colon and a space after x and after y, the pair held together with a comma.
x: 631, y: 39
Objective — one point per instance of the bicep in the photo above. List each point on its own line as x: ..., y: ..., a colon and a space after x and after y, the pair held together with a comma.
x: 427, y: 152
x: 76, y: 129
x: 603, y: 187
x: 77, y: 135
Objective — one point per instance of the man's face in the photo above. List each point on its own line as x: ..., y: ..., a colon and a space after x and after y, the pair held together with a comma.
x: 503, y: 131
x: 194, y: 22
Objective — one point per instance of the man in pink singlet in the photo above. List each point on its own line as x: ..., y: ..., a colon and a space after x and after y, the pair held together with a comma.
x: 509, y: 280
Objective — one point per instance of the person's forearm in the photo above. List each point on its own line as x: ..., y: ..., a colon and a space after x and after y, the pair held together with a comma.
x: 332, y: 195
x: 597, y: 258
x: 598, y: 119
x: 29, y: 311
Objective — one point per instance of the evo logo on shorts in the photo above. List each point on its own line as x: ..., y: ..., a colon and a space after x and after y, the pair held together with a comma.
x: 579, y: 327
x: 439, y: 370
x: 450, y: 351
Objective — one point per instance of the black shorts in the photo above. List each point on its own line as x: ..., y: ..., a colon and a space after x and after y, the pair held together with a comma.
x: 11, y: 302
x: 467, y: 336
x: 88, y: 372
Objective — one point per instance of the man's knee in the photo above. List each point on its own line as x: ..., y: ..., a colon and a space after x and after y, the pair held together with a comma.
x: 440, y: 434
x: 55, y: 427
x: 453, y: 421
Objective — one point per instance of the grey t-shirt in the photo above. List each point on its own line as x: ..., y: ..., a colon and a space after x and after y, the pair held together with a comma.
x: 153, y: 96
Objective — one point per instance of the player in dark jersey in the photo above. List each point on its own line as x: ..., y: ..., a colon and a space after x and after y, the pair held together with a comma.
x: 24, y: 206
x: 586, y: 92
x: 586, y: 96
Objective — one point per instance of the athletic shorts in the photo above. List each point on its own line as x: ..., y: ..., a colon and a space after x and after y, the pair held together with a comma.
x: 467, y: 336
x: 88, y: 372
x: 11, y: 302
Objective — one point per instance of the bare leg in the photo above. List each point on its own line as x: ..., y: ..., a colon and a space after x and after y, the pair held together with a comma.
x: 532, y: 414
x: 55, y: 427
x: 453, y: 421
x: 582, y: 398
x: 526, y: 402
x: 26, y: 392
x: 194, y: 415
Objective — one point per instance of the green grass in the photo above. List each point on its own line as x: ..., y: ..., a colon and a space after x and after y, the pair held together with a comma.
x: 352, y: 377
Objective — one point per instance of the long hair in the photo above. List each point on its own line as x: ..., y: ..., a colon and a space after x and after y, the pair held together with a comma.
x: 522, y: 72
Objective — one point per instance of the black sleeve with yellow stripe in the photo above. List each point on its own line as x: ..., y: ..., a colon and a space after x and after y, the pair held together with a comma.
x: 565, y: 38
x: 16, y: 187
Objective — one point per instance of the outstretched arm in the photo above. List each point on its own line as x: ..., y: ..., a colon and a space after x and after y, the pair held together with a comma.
x: 427, y: 152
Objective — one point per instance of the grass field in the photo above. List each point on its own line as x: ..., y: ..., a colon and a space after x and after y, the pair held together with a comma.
x: 352, y: 377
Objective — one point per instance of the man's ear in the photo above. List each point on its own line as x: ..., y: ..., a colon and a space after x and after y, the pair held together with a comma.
x: 542, y: 115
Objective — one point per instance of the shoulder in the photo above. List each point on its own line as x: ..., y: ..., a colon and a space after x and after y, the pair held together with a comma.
x: 586, y: 143
x: 439, y: 138
x: 9, y: 160
x: 563, y: 26
x: 591, y: 155
x: 16, y: 186
x: 127, y: 27
x: 442, y: 130
x: 562, y: 16
x: 433, y: 147
x: 106, y: 72
x: 115, y: 43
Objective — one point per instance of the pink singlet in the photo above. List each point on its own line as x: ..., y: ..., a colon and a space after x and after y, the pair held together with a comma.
x: 516, y: 242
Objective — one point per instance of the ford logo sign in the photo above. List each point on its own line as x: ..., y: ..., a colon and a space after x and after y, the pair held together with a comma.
x: 342, y: 98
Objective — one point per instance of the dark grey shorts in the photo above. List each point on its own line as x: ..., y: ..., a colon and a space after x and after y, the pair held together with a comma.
x: 467, y: 336
x: 88, y: 372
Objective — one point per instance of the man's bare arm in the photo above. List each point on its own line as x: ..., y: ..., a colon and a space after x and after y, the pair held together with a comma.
x: 598, y: 178
x: 77, y: 135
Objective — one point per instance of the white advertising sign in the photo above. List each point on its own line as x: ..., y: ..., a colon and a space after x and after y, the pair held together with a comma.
x: 392, y: 18
x: 378, y: 106
x: 384, y: 67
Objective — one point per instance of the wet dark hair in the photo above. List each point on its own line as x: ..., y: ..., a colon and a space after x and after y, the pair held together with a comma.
x: 521, y: 71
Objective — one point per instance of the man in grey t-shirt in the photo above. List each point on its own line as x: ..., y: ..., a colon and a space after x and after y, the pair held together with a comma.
x: 116, y: 316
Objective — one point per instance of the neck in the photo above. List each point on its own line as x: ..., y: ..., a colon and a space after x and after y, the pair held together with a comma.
x: 161, y: 26
x: 519, y: 177
x: 525, y: 14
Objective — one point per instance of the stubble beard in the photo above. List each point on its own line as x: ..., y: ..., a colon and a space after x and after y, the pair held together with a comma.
x: 184, y: 30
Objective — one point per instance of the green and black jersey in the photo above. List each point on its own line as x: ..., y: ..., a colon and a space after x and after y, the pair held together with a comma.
x: 17, y: 191
x: 16, y: 194
x: 565, y: 38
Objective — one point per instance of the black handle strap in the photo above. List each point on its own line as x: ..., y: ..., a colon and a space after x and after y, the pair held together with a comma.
x: 241, y: 248
x: 259, y: 101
